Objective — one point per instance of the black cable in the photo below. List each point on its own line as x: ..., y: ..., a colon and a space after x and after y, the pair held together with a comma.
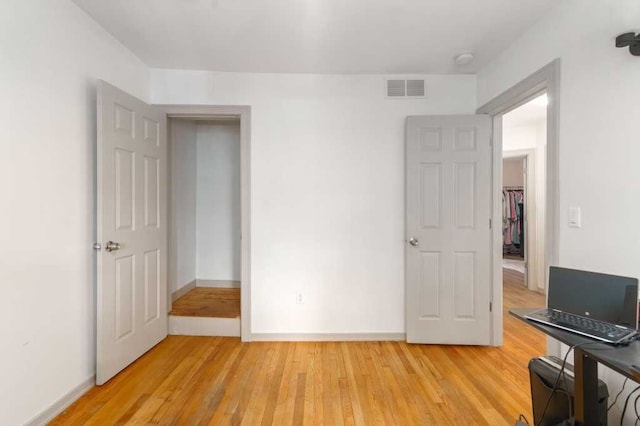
x: 555, y: 385
x: 566, y: 386
x: 619, y: 393
x: 626, y: 402
x: 560, y: 374
x: 615, y: 400
x: 635, y: 407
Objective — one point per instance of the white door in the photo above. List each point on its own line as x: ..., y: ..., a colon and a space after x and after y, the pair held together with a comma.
x: 131, y: 228
x: 448, y: 250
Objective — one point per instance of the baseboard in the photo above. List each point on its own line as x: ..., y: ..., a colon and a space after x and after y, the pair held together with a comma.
x: 61, y: 404
x: 328, y: 337
x: 218, y: 283
x: 204, y: 326
x: 183, y: 290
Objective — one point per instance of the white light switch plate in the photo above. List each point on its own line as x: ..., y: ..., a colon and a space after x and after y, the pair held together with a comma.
x: 574, y: 217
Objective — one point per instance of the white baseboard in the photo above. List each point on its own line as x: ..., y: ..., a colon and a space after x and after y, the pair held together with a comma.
x: 183, y: 290
x: 328, y: 337
x: 61, y: 404
x: 204, y: 326
x: 218, y: 283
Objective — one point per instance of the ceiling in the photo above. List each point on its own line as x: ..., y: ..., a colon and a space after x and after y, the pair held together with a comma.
x: 316, y: 36
x: 532, y: 113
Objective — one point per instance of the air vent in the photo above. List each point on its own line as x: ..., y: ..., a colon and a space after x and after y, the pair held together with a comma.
x: 396, y: 88
x: 405, y: 89
x: 415, y: 88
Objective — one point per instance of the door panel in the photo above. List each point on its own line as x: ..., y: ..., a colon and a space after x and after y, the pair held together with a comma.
x: 132, y: 212
x: 151, y: 192
x: 448, y: 283
x: 430, y: 284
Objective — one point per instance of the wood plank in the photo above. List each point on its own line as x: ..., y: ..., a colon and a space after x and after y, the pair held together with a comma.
x: 208, y: 302
x: 219, y: 380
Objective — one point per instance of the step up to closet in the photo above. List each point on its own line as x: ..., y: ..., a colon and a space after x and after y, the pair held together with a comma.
x: 206, y: 311
x: 204, y: 326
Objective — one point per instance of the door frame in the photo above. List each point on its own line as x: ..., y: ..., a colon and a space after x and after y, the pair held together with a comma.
x: 546, y: 79
x: 528, y: 157
x: 243, y: 112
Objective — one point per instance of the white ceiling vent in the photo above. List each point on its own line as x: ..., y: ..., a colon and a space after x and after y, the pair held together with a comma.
x: 406, y: 89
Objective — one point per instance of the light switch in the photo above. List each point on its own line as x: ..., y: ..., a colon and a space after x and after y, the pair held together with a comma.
x: 574, y: 217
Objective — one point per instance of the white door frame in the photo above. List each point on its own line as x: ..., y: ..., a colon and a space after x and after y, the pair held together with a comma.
x: 243, y: 112
x: 546, y: 79
x: 529, y: 186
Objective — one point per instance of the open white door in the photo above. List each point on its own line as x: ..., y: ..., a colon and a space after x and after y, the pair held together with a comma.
x: 448, y: 251
x: 131, y: 229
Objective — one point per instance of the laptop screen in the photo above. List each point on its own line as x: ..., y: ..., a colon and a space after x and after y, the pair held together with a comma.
x: 603, y: 297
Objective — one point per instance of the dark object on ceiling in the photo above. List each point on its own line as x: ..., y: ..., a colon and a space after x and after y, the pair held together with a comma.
x: 629, y: 39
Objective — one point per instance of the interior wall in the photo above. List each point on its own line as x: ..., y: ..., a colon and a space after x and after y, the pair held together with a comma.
x: 184, y: 135
x: 598, y: 142
x: 327, y: 190
x: 218, y: 201
x: 519, y: 137
x: 513, y: 172
x: 51, y: 54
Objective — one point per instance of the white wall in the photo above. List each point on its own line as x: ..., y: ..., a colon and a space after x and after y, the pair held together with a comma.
x: 218, y: 201
x: 183, y: 200
x: 599, y: 147
x: 327, y: 166
x: 519, y: 137
x: 513, y: 172
x: 51, y: 54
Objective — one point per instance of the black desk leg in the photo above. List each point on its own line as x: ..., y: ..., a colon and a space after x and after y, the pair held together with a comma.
x: 586, y: 388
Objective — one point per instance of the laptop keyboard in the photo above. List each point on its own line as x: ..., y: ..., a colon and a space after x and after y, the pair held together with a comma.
x: 586, y: 325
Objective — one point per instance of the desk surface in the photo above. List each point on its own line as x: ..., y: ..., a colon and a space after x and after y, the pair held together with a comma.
x: 618, y: 358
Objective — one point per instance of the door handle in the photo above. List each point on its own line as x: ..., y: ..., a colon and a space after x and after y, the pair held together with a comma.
x: 414, y: 242
x: 112, y: 246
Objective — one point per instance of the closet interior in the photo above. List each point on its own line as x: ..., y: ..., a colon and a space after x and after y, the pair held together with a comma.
x: 205, y: 226
x: 513, y: 231
x: 513, y: 208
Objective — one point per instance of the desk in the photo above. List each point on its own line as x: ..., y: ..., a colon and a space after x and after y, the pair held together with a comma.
x: 585, y: 364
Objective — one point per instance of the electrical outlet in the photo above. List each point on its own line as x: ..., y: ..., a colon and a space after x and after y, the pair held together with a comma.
x: 299, y: 299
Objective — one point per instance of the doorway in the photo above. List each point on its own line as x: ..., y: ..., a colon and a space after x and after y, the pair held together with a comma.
x: 135, y: 248
x: 524, y: 141
x: 205, y: 277
x: 213, y: 259
x: 546, y: 79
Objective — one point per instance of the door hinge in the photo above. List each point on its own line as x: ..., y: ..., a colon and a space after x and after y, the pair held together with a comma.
x: 490, y: 306
x: 490, y: 224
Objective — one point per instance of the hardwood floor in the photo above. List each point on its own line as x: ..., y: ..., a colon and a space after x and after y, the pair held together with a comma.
x: 219, y: 381
x: 208, y: 302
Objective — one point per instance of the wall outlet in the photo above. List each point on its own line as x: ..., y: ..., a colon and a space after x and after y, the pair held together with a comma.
x: 299, y: 299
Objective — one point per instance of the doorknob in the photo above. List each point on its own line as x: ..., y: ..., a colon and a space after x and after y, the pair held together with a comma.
x: 112, y: 246
x: 414, y: 242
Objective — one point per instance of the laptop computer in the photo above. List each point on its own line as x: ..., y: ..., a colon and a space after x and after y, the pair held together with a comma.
x: 600, y: 306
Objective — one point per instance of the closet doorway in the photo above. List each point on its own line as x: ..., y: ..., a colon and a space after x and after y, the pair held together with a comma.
x: 209, y: 212
x: 524, y: 131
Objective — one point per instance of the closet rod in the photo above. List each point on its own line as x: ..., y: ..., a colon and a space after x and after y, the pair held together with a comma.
x: 513, y: 188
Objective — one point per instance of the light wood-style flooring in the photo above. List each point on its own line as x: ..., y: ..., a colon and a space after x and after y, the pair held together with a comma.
x: 208, y: 302
x: 222, y: 381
